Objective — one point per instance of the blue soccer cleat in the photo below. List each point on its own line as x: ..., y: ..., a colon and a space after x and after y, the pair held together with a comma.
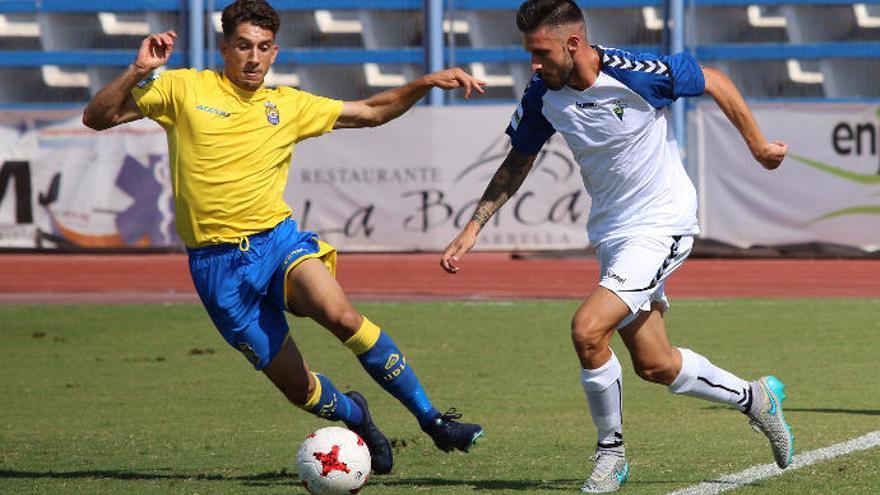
x: 449, y: 434
x: 381, y: 457
x: 765, y: 416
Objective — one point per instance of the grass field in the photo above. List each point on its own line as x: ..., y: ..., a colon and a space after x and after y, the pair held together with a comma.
x: 149, y: 399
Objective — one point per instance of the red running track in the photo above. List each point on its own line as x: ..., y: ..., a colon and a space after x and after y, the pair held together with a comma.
x: 27, y: 278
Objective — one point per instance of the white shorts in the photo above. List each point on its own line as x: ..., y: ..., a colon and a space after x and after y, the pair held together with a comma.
x: 636, y: 268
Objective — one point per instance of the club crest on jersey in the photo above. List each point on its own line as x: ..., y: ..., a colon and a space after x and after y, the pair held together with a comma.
x: 618, y: 109
x: 272, y: 114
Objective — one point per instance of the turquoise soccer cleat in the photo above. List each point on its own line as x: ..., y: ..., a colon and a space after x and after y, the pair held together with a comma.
x: 765, y: 416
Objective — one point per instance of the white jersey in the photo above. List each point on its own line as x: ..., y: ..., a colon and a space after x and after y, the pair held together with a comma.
x: 619, y: 133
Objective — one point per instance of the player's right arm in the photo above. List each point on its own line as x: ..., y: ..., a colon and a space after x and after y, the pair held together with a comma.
x: 528, y: 130
x: 113, y: 104
x: 504, y: 184
x: 768, y: 153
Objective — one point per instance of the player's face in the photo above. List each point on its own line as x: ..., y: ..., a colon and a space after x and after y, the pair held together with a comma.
x: 550, y: 56
x: 248, y: 54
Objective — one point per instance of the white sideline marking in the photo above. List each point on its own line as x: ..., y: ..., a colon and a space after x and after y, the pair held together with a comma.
x: 736, y: 480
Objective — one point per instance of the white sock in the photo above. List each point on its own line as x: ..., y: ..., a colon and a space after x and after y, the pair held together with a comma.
x: 604, y: 389
x: 702, y: 379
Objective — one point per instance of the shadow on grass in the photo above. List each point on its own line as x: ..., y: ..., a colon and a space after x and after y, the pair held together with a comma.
x: 277, y: 476
x: 832, y: 410
x: 822, y: 410
x: 283, y: 478
x: 567, y: 485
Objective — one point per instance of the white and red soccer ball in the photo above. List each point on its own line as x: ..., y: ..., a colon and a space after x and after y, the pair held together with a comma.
x: 333, y: 461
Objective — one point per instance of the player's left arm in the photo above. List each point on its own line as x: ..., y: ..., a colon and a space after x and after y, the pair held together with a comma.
x: 388, y: 105
x: 768, y: 153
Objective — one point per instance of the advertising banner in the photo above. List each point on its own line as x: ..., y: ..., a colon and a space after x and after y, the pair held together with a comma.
x: 826, y: 191
x: 412, y: 184
x: 64, y: 185
x: 409, y: 185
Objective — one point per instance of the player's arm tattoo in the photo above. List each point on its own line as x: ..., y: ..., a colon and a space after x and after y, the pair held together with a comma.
x: 504, y: 184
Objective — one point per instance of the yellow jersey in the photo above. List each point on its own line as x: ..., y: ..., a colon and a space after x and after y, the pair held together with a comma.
x: 229, y: 150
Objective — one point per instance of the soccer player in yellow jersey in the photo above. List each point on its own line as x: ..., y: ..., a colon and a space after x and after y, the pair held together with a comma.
x: 230, y: 143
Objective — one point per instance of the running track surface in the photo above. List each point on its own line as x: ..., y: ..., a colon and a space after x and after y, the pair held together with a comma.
x: 49, y: 278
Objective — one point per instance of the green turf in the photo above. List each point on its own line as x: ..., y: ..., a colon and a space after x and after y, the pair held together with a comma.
x: 149, y: 399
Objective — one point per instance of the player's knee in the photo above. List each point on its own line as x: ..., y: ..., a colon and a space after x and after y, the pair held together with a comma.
x: 588, y: 335
x: 297, y: 397
x: 346, y: 319
x: 656, y: 371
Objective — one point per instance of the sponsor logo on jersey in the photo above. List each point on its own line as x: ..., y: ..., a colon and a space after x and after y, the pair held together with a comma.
x: 215, y: 111
x: 293, y: 253
x: 585, y: 104
x: 615, y: 276
x: 272, y: 114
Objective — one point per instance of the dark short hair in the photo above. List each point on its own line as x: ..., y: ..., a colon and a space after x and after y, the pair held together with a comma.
x: 533, y: 14
x: 257, y: 12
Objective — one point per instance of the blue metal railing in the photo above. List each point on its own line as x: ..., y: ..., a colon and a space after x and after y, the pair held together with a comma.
x: 434, y: 55
x: 25, y: 6
x: 462, y: 55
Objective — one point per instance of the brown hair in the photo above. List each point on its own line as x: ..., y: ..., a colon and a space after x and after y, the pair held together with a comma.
x: 257, y: 12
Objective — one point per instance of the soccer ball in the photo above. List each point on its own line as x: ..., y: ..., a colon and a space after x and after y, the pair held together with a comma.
x: 333, y: 461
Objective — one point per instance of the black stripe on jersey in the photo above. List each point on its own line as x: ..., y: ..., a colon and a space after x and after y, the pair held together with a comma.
x: 673, y: 252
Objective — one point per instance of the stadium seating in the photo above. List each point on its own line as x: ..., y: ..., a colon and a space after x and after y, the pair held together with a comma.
x: 60, y: 51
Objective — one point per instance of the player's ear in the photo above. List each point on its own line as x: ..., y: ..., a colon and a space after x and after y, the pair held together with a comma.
x: 572, y: 43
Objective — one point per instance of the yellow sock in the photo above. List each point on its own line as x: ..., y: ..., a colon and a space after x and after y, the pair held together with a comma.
x: 364, y: 339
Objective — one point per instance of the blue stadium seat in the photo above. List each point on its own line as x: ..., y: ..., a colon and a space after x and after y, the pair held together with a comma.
x: 59, y: 50
x: 19, y: 32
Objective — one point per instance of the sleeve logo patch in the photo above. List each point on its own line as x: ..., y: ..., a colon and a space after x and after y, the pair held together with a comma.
x: 152, y: 77
x: 621, y: 62
x: 517, y: 117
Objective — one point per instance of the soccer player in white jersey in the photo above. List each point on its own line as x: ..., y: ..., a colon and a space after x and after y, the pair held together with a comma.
x: 611, y: 108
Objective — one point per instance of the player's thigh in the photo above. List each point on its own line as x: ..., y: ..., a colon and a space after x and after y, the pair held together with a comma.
x: 289, y: 372
x: 648, y: 344
x: 313, y: 291
x: 598, y: 315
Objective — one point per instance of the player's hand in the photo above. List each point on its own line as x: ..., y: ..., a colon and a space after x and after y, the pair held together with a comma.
x: 456, y: 78
x: 155, y: 51
x: 770, y: 156
x: 460, y: 246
